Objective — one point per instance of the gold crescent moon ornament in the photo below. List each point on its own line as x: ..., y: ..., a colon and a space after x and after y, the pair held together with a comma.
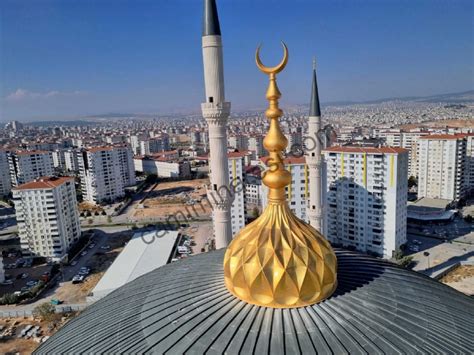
x: 278, y: 260
x: 276, y: 69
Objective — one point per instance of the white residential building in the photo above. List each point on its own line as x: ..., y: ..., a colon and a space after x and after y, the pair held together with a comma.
x: 365, y: 192
x: 297, y: 192
x: 47, y: 216
x: 5, y: 179
x: 25, y: 166
x: 442, y: 166
x: 58, y: 159
x: 135, y: 142
x: 469, y: 162
x: 71, y: 161
x: 255, y: 145
x: 239, y: 142
x: 236, y: 178
x: 153, y: 145
x: 105, y: 172
x: 253, y: 193
x: 409, y: 141
x: 162, y: 167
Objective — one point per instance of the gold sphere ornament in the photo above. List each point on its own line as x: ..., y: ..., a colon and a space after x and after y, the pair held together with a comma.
x: 278, y: 260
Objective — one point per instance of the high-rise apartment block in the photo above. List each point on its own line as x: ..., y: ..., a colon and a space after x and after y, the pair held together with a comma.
x: 154, y: 145
x: 105, y: 172
x: 255, y: 145
x: 5, y: 180
x: 47, y: 216
x: 470, y: 163
x: 239, y: 142
x: 25, y: 166
x: 365, y: 191
x: 297, y: 192
x: 236, y: 178
x: 442, y: 166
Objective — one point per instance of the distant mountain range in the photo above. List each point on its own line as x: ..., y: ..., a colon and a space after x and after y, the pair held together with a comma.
x: 458, y: 97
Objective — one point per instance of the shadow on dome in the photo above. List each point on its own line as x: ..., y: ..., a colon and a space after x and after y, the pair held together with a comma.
x: 356, y: 270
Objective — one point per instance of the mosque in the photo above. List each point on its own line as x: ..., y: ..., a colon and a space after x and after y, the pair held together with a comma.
x: 278, y: 286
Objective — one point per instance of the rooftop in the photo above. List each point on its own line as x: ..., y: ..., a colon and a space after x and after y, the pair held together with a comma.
x: 145, y: 252
x: 445, y: 136
x: 367, y: 150
x: 185, y: 307
x: 44, y: 183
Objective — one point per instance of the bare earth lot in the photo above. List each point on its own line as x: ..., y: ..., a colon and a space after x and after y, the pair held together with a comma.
x: 169, y: 198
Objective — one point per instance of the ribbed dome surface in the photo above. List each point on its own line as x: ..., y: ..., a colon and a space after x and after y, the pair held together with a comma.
x: 185, y: 307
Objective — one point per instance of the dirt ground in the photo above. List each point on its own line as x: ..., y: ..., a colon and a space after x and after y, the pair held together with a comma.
x: 461, y: 278
x: 14, y: 345
x: 87, y: 206
x: 170, y: 198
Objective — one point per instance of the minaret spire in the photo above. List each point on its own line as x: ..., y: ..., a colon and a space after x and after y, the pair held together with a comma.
x: 210, y: 23
x: 216, y: 112
x: 313, y: 156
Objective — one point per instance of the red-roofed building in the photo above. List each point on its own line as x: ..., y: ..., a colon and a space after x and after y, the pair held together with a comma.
x: 47, y: 216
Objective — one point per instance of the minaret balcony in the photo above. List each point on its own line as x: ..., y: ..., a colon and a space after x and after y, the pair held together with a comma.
x: 217, y: 111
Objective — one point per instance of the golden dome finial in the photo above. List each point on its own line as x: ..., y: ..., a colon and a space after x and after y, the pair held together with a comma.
x: 278, y: 260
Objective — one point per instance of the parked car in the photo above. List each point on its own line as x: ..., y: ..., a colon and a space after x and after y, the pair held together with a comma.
x: 7, y: 282
x: 31, y: 283
x: 78, y: 279
x: 74, y: 263
x: 84, y: 253
x: 91, y: 246
x: 105, y: 247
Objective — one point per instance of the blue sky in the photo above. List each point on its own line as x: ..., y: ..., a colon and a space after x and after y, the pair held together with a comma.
x: 62, y: 59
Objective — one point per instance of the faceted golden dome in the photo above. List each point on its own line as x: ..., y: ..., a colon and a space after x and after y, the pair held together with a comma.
x: 279, y: 260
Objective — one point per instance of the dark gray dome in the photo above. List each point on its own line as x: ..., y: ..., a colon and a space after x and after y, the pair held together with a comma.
x: 185, y: 307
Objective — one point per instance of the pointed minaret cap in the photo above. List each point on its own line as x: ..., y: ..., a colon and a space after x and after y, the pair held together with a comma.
x: 210, y: 23
x: 314, y: 109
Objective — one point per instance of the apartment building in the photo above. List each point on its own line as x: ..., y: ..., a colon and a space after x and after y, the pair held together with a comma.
x: 442, y: 167
x: 255, y: 145
x: 253, y: 191
x: 162, y: 167
x: 25, y: 166
x: 239, y: 142
x: 47, y: 216
x: 105, y: 172
x: 297, y: 192
x: 154, y: 145
x: 5, y: 180
x: 409, y: 141
x: 364, y: 194
x: 236, y: 178
x: 470, y: 163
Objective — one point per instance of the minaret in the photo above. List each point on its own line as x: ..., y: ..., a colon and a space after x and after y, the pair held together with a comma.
x: 216, y: 112
x: 313, y: 157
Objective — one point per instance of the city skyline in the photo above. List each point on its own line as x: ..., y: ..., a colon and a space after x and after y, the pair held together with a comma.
x: 139, y: 59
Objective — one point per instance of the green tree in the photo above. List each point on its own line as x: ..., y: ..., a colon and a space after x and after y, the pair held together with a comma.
x: 46, y: 312
x: 405, y: 261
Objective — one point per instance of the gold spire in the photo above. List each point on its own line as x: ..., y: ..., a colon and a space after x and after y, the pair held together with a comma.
x: 278, y: 260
